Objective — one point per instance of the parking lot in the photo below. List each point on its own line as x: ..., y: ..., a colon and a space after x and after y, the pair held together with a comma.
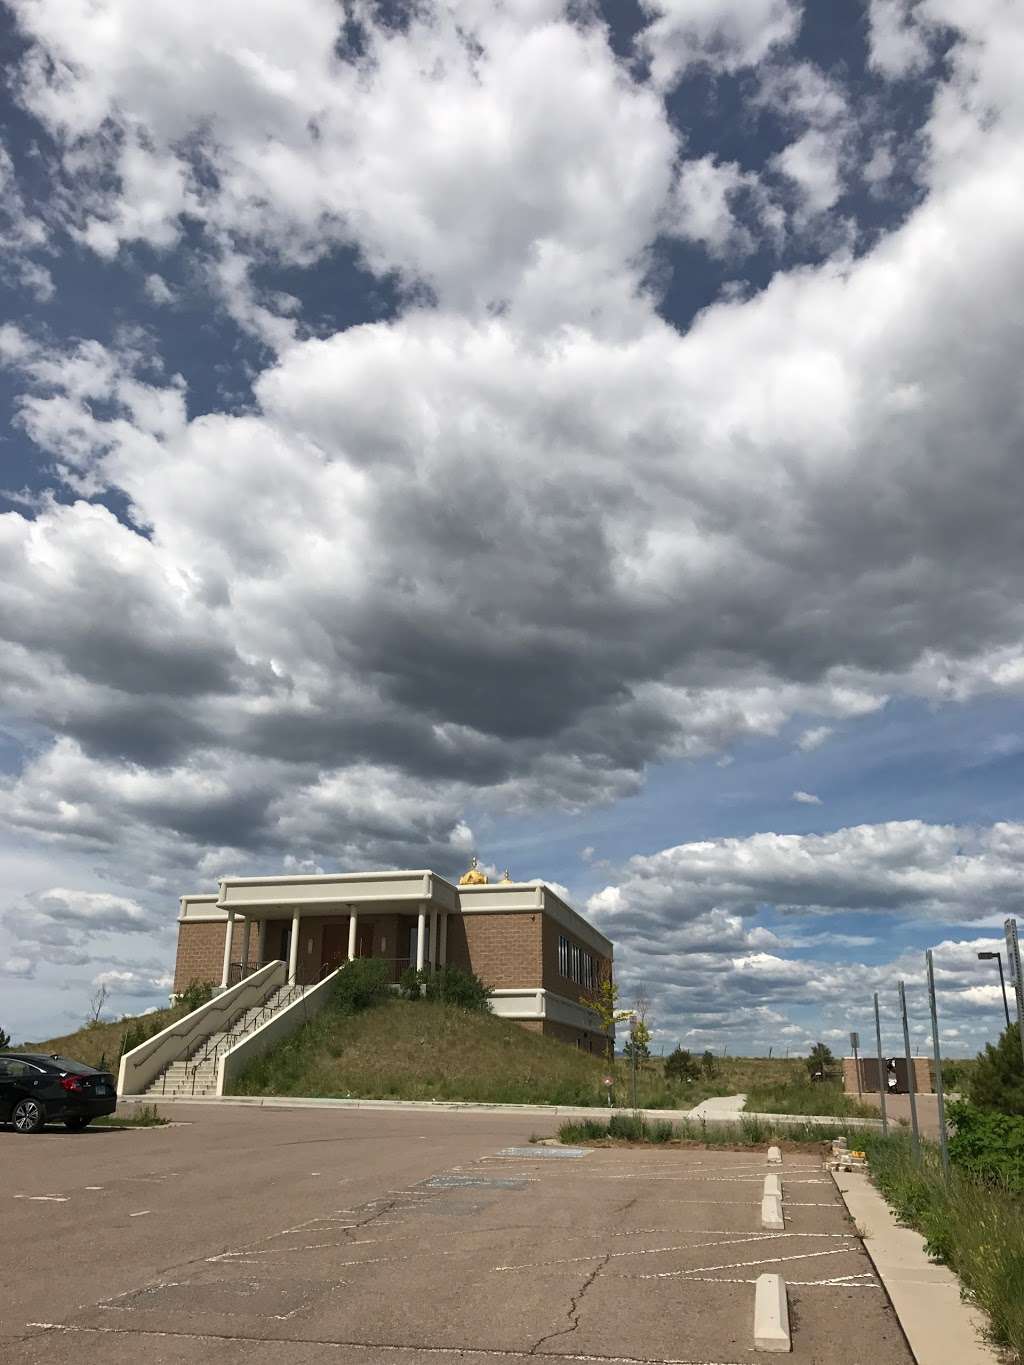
x: 308, y: 1236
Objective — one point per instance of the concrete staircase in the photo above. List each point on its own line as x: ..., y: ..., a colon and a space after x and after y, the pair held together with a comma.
x: 196, y: 1073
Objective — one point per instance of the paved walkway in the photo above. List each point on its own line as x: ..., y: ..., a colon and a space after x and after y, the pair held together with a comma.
x: 719, y: 1107
x: 285, y: 1237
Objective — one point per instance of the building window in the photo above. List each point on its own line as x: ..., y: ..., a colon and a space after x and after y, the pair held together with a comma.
x: 563, y: 956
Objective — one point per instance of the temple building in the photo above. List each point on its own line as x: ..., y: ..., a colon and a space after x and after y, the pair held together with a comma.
x: 539, y: 957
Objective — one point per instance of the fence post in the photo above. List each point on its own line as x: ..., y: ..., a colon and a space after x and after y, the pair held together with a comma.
x: 881, y: 1070
x: 915, y: 1137
x: 941, y: 1094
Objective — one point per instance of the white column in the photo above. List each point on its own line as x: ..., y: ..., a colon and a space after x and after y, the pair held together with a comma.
x: 442, y: 952
x: 433, y: 943
x: 421, y: 934
x: 353, y: 920
x: 246, y: 942
x: 293, y: 949
x: 229, y: 929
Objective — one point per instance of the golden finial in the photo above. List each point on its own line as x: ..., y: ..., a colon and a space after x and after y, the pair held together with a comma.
x: 507, y: 877
x: 474, y: 877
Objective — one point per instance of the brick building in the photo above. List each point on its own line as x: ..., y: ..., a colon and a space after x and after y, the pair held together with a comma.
x: 537, y: 954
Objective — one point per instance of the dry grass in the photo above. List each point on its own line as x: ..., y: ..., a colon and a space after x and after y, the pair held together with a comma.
x: 425, y: 1050
x: 95, y: 1043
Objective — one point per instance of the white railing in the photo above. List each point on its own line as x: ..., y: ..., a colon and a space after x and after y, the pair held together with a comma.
x: 283, y: 1022
x: 140, y: 1067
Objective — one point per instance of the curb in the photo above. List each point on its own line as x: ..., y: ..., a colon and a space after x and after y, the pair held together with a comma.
x: 771, y: 1315
x: 939, y: 1326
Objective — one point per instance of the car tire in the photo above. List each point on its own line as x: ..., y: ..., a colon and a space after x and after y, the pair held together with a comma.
x: 28, y: 1116
x: 78, y: 1124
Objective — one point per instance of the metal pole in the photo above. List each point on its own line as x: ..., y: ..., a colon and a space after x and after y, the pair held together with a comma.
x: 881, y: 1069
x: 856, y: 1067
x: 1002, y: 986
x: 943, y: 1141
x: 1013, y: 957
x: 633, y: 1050
x: 915, y: 1137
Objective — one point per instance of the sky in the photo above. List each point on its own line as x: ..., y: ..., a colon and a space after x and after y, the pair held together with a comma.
x: 583, y: 435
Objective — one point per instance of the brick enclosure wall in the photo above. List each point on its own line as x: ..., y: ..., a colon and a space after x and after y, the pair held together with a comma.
x: 869, y: 1076
x: 503, y: 950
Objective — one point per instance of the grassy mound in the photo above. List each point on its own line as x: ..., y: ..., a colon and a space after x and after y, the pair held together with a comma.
x: 101, y: 1042
x: 423, y: 1050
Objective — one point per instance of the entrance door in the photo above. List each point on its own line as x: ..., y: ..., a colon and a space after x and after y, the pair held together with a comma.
x: 335, y: 945
x: 364, y: 940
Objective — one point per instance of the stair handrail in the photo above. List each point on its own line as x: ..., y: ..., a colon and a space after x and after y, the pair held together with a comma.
x: 265, y: 1011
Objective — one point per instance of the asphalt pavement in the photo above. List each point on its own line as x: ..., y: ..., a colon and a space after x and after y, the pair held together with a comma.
x: 300, y: 1237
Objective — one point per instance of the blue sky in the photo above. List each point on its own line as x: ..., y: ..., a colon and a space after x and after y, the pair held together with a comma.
x: 586, y: 436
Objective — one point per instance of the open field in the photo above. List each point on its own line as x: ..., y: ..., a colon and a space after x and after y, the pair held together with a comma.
x: 298, y: 1237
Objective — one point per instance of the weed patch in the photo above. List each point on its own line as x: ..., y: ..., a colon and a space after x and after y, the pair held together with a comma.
x: 974, y: 1227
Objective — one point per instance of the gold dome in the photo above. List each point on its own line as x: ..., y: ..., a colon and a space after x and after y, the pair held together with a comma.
x: 474, y: 877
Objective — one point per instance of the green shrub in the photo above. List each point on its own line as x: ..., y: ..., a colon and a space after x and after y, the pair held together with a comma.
x: 988, y: 1145
x: 411, y: 983
x: 997, y: 1081
x: 361, y: 983
x: 196, y: 993
x: 633, y: 1127
x: 661, y: 1131
x: 680, y: 1065
x: 453, y: 986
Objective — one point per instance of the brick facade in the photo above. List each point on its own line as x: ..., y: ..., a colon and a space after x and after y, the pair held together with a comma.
x: 503, y: 950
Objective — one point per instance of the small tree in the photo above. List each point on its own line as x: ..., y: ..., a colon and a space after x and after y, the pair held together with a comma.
x: 603, y: 1000
x: 639, y: 1042
x: 96, y: 1003
x: 708, y: 1065
x: 820, y: 1059
x: 680, y: 1066
x: 998, y: 1080
x: 5, y: 1039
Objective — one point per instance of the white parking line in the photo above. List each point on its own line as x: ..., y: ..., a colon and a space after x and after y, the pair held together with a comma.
x: 742, y: 1265
x: 44, y: 1198
x: 141, y: 1213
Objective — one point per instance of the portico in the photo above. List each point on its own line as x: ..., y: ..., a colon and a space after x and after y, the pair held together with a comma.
x: 314, y: 923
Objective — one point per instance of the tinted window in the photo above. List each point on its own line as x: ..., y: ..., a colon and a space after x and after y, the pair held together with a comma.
x: 74, y: 1068
x: 14, y: 1066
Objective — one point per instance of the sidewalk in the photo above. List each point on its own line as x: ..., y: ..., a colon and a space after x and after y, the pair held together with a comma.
x: 540, y: 1111
x: 939, y: 1326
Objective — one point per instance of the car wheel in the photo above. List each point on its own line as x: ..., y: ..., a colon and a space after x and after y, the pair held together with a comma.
x: 28, y: 1116
x: 78, y: 1124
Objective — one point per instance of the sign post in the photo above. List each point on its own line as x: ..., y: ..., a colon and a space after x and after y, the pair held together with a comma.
x: 881, y: 1069
x: 855, y: 1044
x: 1013, y: 957
x: 943, y: 1143
x: 915, y: 1139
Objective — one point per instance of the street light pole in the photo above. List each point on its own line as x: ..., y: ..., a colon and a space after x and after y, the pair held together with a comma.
x: 987, y: 957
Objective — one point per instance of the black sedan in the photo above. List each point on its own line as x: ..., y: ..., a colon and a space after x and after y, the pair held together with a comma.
x: 37, y: 1089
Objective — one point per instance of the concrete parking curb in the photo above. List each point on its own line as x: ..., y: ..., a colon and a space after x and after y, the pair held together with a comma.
x: 771, y: 1315
x: 938, y: 1325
